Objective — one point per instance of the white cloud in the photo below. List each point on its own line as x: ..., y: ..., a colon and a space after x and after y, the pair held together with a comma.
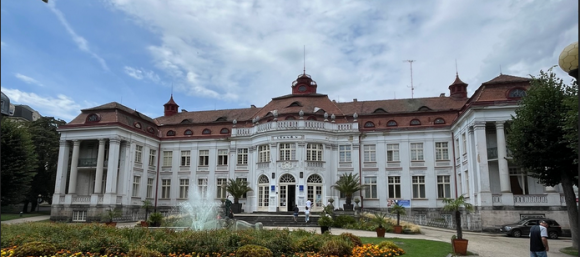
x: 249, y: 52
x: 79, y: 40
x: 61, y: 106
x: 140, y: 73
x: 28, y: 80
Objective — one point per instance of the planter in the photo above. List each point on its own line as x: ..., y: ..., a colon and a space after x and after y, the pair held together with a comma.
x: 236, y: 207
x: 380, y: 231
x: 348, y: 207
x: 460, y: 246
x: 144, y: 224
x: 111, y: 224
x: 323, y: 229
x: 398, y: 229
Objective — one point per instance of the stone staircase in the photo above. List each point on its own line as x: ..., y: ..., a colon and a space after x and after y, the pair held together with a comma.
x: 278, y: 219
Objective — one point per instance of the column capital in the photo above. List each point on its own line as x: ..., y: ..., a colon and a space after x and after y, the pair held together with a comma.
x: 478, y: 125
x: 499, y: 124
x: 470, y: 129
x: 63, y: 142
x: 102, y: 140
x: 76, y: 142
x: 114, y: 140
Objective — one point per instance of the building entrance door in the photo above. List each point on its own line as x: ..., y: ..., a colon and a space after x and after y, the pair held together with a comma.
x: 287, y: 193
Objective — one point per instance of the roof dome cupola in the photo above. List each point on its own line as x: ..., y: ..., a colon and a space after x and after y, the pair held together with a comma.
x: 170, y: 107
x: 458, y: 89
x: 303, y: 85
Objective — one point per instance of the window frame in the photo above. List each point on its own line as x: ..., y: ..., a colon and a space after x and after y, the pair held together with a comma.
x: 150, y: 183
x: 371, y: 190
x: 203, y: 158
x: 417, y: 154
x: 165, y: 189
x: 152, y: 157
x: 167, y: 158
x: 418, y: 187
x: 221, y: 184
x: 242, y: 154
x: 369, y: 155
x: 394, y: 187
x: 183, y: 188
x: 264, y: 153
x: 442, y: 152
x: 138, y: 153
x: 443, y: 186
x: 287, y: 151
x: 136, y: 182
x: 391, y: 153
x: 222, y: 157
x: 185, y: 158
x: 344, y: 153
x: 314, y: 152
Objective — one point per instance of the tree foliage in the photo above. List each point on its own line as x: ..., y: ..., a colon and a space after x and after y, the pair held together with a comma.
x: 18, y: 161
x: 455, y: 206
x: 348, y: 184
x: 237, y: 188
x: 543, y: 139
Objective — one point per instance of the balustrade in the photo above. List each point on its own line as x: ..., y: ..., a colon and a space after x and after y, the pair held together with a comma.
x: 295, y: 124
x: 530, y: 199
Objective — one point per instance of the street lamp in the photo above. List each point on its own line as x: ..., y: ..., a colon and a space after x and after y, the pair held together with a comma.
x: 569, y: 60
x: 39, y: 201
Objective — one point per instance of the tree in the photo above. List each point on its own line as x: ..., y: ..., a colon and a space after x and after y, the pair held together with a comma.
x: 18, y: 161
x: 455, y: 206
x: 348, y: 184
x: 537, y: 137
x: 237, y: 188
x: 46, y: 141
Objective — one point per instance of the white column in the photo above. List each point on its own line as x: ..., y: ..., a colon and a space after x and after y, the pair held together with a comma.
x: 100, y: 162
x: 113, y: 165
x: 504, y: 175
x: 72, y: 186
x: 482, y: 165
x: 62, y: 169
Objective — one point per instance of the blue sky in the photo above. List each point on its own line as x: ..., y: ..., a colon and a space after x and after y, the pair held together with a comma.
x: 65, y: 56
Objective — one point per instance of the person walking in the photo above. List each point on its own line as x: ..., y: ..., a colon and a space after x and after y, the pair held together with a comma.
x: 539, y: 240
x: 296, y: 210
x: 309, y: 204
x: 307, y: 215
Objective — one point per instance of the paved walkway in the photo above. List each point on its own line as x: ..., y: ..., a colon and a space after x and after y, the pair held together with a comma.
x: 484, y: 244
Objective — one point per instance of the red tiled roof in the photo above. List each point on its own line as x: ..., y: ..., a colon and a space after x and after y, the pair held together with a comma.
x: 458, y: 81
x: 171, y: 101
x: 208, y: 116
x: 402, y: 105
x: 502, y: 78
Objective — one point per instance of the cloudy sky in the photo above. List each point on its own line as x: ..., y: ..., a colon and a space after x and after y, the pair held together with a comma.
x: 64, y: 56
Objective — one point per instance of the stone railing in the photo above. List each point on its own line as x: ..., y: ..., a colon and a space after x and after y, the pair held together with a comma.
x: 496, y: 198
x: 295, y: 125
x: 530, y: 199
x: 90, y: 162
x: 81, y: 199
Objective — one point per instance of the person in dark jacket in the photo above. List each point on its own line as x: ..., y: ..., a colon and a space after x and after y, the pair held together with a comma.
x: 539, y: 240
x: 296, y: 210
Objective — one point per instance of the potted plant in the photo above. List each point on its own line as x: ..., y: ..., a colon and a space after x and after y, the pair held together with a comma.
x: 155, y: 219
x: 109, y: 215
x: 146, y: 205
x: 380, y: 221
x: 237, y: 188
x: 325, y: 222
x: 455, y: 206
x: 399, y: 210
x: 348, y: 184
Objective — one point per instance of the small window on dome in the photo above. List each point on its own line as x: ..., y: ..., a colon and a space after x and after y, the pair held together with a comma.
x: 93, y: 117
x: 369, y: 124
x: 391, y: 123
x: 170, y: 133
x: 290, y: 118
x: 415, y: 122
x: 224, y: 131
x: 295, y: 104
x: 380, y: 110
x: 188, y: 132
x: 439, y: 121
x: 517, y: 93
x: 206, y: 131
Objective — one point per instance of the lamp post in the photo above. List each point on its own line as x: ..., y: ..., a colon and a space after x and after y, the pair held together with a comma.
x: 39, y: 201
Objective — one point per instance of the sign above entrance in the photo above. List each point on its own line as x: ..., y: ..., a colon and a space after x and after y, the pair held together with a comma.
x: 286, y: 137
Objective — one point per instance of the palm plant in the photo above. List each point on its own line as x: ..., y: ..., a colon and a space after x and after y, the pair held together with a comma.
x: 237, y: 188
x: 455, y: 206
x: 147, y: 205
x: 399, y: 210
x: 348, y: 184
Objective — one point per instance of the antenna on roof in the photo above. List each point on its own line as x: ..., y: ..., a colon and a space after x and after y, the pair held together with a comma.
x: 411, y: 64
x: 304, y: 59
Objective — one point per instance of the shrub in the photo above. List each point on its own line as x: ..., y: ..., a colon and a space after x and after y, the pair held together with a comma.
x: 336, y: 247
x: 388, y: 245
x: 34, y: 249
x: 143, y: 252
x: 343, y: 220
x: 253, y: 251
x: 354, y: 239
x: 306, y: 244
x: 375, y: 250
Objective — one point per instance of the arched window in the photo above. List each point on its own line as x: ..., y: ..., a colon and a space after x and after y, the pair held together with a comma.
x: 314, y: 179
x: 222, y: 119
x: 93, y: 117
x: 439, y: 121
x: 517, y: 93
x: 188, y: 132
x: 186, y: 121
x: 224, y: 131
x: 137, y: 124
x: 424, y: 108
x: 170, y: 133
x: 391, y: 123
x: 380, y: 110
x: 287, y: 178
x: 415, y: 122
x: 263, y: 179
x: 290, y: 118
x: 369, y: 124
x: 294, y: 104
x: 206, y: 131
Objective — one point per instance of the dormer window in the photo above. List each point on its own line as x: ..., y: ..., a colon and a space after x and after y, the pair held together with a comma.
x: 151, y: 130
x: 93, y: 117
x: 170, y: 133
x: 206, y: 132
x: 369, y: 124
x: 391, y: 123
x: 439, y: 121
x: 380, y: 110
x: 186, y: 121
x: 424, y: 108
x: 222, y: 119
x: 137, y: 125
x: 415, y: 122
x: 224, y: 131
x: 295, y: 104
x: 517, y: 93
x: 188, y: 132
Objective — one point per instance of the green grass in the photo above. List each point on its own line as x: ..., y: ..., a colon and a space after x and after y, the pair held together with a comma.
x: 415, y: 247
x: 10, y: 216
x: 570, y: 251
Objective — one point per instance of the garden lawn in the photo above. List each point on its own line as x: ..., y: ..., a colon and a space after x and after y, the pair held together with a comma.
x: 9, y: 216
x: 415, y: 247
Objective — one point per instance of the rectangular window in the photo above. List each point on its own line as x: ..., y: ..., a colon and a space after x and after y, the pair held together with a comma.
x: 183, y: 188
x: 136, y: 181
x: 371, y: 190
x: 314, y: 152
x: 203, y: 157
x: 443, y: 187
x: 167, y: 158
x: 79, y: 216
x: 264, y: 153
x: 150, y: 188
x: 395, y: 187
x: 138, y: 153
x: 221, y: 188
x: 417, y: 151
x: 152, y: 154
x: 222, y: 157
x: 165, y: 188
x: 370, y: 153
x: 344, y: 153
x: 392, y: 152
x: 246, y: 181
x: 185, y: 158
x: 467, y: 183
x: 457, y: 147
x: 287, y: 152
x: 441, y: 151
x: 418, y: 186
x: 243, y: 156
x: 202, y: 186
x: 464, y: 143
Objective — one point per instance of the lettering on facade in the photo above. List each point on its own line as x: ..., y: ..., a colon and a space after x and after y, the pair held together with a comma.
x: 286, y: 137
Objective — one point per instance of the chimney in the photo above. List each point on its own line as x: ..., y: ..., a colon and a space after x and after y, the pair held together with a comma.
x: 355, y: 100
x: 253, y: 106
x: 442, y: 95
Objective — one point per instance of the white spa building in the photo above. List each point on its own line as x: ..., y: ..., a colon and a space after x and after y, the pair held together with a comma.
x: 295, y: 148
